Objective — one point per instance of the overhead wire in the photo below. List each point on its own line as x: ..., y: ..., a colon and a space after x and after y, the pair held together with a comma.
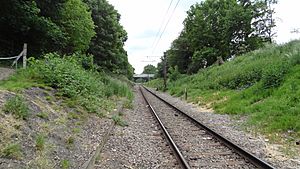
x: 165, y: 27
x: 162, y: 23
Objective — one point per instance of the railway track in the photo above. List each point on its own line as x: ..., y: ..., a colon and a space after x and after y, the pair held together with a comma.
x: 194, y: 144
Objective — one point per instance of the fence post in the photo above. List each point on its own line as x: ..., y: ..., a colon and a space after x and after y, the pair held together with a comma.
x: 24, y: 55
x: 185, y: 93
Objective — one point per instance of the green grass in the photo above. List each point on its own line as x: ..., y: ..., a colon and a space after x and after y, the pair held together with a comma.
x: 40, y: 142
x: 12, y: 151
x: 119, y: 120
x: 20, y: 80
x: 17, y: 106
x: 43, y: 115
x: 263, y: 85
x: 65, y: 164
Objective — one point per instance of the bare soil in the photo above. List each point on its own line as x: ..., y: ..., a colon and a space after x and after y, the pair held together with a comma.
x: 70, y: 135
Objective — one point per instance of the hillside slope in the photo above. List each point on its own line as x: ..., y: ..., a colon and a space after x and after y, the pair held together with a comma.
x: 56, y: 112
x: 263, y: 85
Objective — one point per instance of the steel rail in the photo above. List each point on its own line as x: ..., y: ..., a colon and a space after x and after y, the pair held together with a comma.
x: 184, y: 164
x: 247, y: 155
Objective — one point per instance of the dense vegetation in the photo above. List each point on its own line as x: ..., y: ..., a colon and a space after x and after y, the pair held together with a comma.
x: 76, y: 80
x: 65, y: 27
x: 216, y: 30
x: 263, y: 84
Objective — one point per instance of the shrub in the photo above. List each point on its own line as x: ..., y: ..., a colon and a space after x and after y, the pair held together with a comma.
x: 86, y: 88
x: 17, y: 106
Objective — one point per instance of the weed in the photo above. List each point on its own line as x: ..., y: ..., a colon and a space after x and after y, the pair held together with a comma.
x: 119, y: 121
x: 70, y: 140
x: 76, y: 130
x: 17, y: 106
x: 65, y: 164
x: 43, y: 115
x: 40, y: 142
x: 49, y: 98
x: 12, y: 151
x: 73, y: 115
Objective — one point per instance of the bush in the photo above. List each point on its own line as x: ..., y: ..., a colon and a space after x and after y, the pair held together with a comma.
x: 273, y: 75
x: 17, y: 106
x: 88, y: 88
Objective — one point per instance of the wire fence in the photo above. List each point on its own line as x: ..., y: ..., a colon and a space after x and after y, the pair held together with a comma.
x: 16, y: 58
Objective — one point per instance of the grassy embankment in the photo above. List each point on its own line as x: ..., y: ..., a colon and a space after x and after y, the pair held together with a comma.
x: 36, y: 123
x: 51, y: 107
x: 263, y: 85
x: 75, y: 80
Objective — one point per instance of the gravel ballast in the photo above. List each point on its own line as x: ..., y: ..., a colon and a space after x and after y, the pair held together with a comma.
x: 198, y: 147
x: 139, y: 145
x: 231, y: 129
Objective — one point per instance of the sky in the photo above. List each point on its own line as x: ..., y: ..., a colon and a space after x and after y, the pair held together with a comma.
x: 142, y: 19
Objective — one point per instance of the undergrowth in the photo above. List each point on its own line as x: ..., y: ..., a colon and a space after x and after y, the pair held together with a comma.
x: 75, y: 79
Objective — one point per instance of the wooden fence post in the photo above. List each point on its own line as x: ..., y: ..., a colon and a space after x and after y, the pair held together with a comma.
x: 185, y: 93
x: 24, y: 55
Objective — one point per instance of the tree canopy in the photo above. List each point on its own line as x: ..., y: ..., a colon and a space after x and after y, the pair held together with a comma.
x: 150, y: 69
x: 65, y: 27
x: 221, y: 29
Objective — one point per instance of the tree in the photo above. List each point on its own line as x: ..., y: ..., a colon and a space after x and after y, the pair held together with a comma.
x: 46, y: 25
x: 221, y: 29
x: 108, y: 44
x: 77, y: 22
x: 149, y: 69
x: 21, y: 21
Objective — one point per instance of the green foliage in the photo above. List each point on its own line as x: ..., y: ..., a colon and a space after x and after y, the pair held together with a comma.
x: 43, y: 115
x: 75, y: 78
x: 17, y: 106
x: 78, y: 24
x: 21, y: 22
x: 12, y: 151
x: 108, y: 44
x: 40, y: 142
x: 174, y: 73
x: 119, y: 121
x: 70, y: 140
x: 263, y: 84
x: 220, y: 29
x: 149, y: 69
x: 65, y: 164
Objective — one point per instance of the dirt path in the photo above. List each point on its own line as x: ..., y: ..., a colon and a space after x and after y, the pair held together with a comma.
x: 5, y: 72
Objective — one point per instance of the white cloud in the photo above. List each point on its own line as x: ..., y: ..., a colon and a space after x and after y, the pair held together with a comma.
x: 287, y: 19
x: 142, y: 20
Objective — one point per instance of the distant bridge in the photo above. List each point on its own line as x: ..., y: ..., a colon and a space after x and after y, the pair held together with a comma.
x: 143, y: 77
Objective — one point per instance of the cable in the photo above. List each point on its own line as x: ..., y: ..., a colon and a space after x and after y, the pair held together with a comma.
x: 165, y: 26
x: 161, y: 25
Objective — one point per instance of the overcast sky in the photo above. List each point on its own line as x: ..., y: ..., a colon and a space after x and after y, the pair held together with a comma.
x: 142, y: 20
